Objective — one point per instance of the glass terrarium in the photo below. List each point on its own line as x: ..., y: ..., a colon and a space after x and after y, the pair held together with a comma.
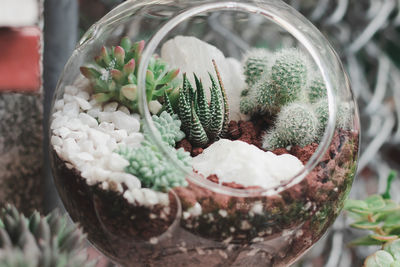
x: 219, y: 133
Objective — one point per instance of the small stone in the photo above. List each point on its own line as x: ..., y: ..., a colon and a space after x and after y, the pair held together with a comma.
x: 77, y: 135
x: 126, y: 122
x: 71, y: 109
x: 134, y: 139
x: 185, y: 144
x: 117, y: 163
x: 83, y: 104
x: 128, y: 179
x: 88, y: 120
x: 83, y: 95
x: 84, y: 156
x: 58, y: 122
x: 106, y: 127
x: 111, y: 107
x: 150, y: 197
x: 71, y: 90
x: 56, y: 141
x: 59, y: 104
x: 68, y: 98
x: 74, y: 124
x: 99, y: 138
x: 94, y: 112
x: 69, y: 148
x: 124, y: 110
x: 112, y: 144
x: 105, y: 117
x: 119, y: 135
x: 197, y: 151
x: 63, y: 132
x: 155, y: 107
x: 86, y: 145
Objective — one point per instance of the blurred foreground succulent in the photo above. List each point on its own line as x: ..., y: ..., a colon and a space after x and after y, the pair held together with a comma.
x: 40, y: 241
x: 380, y: 215
x: 113, y: 75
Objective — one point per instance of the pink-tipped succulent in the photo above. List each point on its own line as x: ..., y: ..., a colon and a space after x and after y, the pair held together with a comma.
x: 113, y: 75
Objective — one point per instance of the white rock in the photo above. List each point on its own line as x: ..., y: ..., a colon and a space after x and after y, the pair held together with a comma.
x: 86, y: 146
x: 83, y: 104
x: 128, y: 179
x: 71, y: 90
x: 70, y: 148
x: 124, y: 110
x: 150, y: 197
x: 196, y: 210
x: 68, y: 98
x: 117, y: 163
x: 112, y: 144
x: 111, y: 107
x: 77, y: 135
x: 84, y: 95
x: 239, y: 162
x: 99, y: 138
x: 101, y: 151
x: 88, y: 120
x: 58, y: 114
x: 136, y: 116
x: 119, y: 135
x: 63, y: 132
x: 134, y: 139
x: 125, y: 122
x: 94, y: 112
x: 106, y: 127
x: 154, y: 106
x: 71, y: 109
x: 58, y: 122
x: 138, y: 195
x: 105, y: 116
x: 101, y: 174
x: 74, y: 124
x: 56, y: 141
x: 85, y: 156
x: 59, y: 104
x: 182, y: 51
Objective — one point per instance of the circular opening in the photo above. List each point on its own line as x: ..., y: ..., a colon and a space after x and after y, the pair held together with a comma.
x: 299, y: 29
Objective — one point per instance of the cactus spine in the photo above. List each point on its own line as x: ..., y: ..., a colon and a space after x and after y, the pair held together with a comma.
x: 254, y: 64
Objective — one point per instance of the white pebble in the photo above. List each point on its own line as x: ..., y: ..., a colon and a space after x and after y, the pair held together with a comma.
x: 58, y: 122
x: 88, y: 120
x: 117, y: 163
x: 71, y: 109
x: 59, y: 104
x: 86, y: 145
x: 111, y: 107
x: 112, y: 144
x: 106, y: 127
x: 63, y: 132
x: 134, y: 139
x: 72, y: 90
x: 150, y: 197
x: 126, y: 122
x: 56, y: 141
x: 124, y: 110
x: 77, y: 135
x: 119, y: 135
x: 105, y: 117
x: 101, y: 151
x: 84, y: 156
x: 99, y: 138
x: 84, y: 95
x: 68, y: 98
x: 155, y: 106
x: 70, y: 147
x: 74, y: 124
x: 94, y: 112
x: 130, y: 180
x: 101, y: 174
x: 83, y: 104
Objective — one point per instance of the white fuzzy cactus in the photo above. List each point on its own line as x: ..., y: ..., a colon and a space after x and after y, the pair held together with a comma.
x: 296, y: 124
x: 343, y: 118
x: 255, y: 63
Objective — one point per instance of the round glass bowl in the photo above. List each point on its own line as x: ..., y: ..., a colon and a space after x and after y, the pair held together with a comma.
x: 216, y: 133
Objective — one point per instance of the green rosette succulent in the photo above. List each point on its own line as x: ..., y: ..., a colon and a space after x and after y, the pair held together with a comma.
x: 40, y: 241
x: 113, y: 75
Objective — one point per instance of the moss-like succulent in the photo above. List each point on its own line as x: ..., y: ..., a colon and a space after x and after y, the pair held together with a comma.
x: 254, y: 64
x: 148, y: 162
x: 113, y: 75
x: 203, y: 122
x: 296, y: 124
x: 40, y: 241
x: 281, y: 82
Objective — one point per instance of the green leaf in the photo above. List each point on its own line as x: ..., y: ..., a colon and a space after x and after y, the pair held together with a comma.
x: 375, y: 202
x: 391, y: 177
x: 354, y: 204
x: 395, y: 264
x: 393, y: 247
x: 384, y: 238
x: 380, y: 258
x: 365, y: 241
x: 365, y: 225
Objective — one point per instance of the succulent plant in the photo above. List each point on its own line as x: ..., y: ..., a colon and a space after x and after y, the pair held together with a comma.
x: 279, y: 84
x: 296, y: 124
x: 322, y: 112
x: 113, y: 75
x: 203, y: 122
x: 316, y: 89
x: 254, y: 64
x: 40, y: 241
x: 148, y: 162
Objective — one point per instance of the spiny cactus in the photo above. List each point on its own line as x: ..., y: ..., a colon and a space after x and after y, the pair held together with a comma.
x: 39, y: 241
x: 296, y: 124
x: 343, y: 117
x: 254, y: 64
x: 203, y: 122
x: 316, y: 89
x: 148, y: 162
x: 279, y: 84
x: 114, y: 75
